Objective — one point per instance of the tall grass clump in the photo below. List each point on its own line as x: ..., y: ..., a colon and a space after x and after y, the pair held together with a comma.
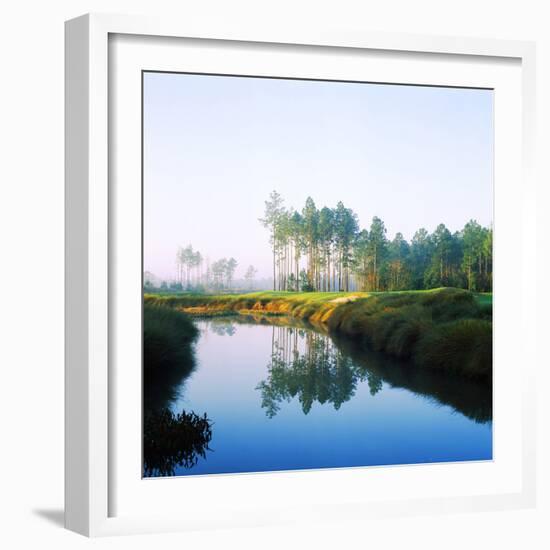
x: 403, y: 340
x: 463, y: 346
x: 445, y: 329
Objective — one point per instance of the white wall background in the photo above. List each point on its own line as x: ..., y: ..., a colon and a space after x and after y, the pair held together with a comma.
x: 31, y: 269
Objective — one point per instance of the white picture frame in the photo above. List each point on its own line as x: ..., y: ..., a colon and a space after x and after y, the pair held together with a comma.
x: 93, y: 397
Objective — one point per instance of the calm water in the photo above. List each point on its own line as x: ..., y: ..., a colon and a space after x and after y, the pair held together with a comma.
x: 283, y: 397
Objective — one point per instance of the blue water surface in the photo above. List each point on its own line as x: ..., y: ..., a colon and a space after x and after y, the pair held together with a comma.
x: 282, y: 397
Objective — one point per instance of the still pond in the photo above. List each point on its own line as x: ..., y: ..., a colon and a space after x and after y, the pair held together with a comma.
x: 283, y: 396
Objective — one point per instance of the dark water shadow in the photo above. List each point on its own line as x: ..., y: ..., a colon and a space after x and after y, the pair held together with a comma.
x: 472, y: 398
x: 161, y: 386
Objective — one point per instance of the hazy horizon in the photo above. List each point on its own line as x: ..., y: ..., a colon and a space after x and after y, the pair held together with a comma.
x: 216, y: 146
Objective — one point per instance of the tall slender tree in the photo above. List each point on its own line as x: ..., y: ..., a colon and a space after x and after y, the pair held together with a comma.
x: 249, y: 275
x: 377, y: 250
x: 326, y: 240
x: 399, y: 276
x: 230, y: 266
x: 296, y: 227
x: 272, y: 214
x: 472, y: 246
x: 439, y: 270
x: 421, y: 252
x: 310, y: 216
x: 362, y: 259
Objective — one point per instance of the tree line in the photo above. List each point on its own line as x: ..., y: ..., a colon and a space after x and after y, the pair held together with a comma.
x: 326, y: 250
x: 194, y: 271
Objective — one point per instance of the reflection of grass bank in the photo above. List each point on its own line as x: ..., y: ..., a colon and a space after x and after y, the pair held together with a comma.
x: 169, y: 440
x: 471, y: 398
x: 443, y: 329
x: 167, y: 352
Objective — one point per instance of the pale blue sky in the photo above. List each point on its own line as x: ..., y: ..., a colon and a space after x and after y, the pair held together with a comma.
x: 216, y: 146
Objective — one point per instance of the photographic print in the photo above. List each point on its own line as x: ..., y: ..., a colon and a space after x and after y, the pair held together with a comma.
x: 317, y: 274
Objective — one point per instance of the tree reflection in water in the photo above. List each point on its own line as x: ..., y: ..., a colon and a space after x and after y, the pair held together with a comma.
x: 222, y: 329
x: 315, y: 367
x: 307, y: 365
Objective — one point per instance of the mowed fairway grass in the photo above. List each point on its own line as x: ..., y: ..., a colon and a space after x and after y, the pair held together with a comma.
x: 445, y: 329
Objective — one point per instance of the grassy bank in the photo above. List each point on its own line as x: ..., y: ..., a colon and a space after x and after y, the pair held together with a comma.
x: 444, y: 329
